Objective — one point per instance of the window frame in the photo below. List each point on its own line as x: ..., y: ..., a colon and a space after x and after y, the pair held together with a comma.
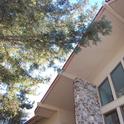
x: 108, y: 113
x: 110, y: 74
x: 109, y: 106
x: 102, y: 104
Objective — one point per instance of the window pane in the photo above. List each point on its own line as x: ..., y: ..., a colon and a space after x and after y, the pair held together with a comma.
x: 105, y: 92
x: 118, y: 80
x: 111, y: 118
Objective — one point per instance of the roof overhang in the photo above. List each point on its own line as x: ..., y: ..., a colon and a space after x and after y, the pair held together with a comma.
x: 90, y: 62
x: 45, y: 111
x: 60, y: 95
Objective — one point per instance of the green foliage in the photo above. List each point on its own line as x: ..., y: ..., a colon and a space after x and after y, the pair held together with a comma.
x: 37, y: 31
x: 10, y: 106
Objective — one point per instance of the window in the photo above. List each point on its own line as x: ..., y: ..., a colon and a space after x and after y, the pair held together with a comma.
x: 111, y: 118
x: 111, y: 115
x: 117, y: 76
x: 105, y: 92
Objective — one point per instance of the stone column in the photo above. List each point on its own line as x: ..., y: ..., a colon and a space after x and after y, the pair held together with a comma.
x: 87, y: 108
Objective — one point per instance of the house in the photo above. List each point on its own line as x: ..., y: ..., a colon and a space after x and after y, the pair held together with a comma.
x: 90, y: 90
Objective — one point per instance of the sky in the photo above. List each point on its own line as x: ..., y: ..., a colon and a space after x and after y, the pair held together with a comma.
x: 92, y: 2
x: 44, y: 87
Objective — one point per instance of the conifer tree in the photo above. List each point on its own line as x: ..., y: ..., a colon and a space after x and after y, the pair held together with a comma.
x: 37, y: 31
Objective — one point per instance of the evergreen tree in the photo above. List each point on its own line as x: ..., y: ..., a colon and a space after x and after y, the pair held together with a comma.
x: 33, y: 32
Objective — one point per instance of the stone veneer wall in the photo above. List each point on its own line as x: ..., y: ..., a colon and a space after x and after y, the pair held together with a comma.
x: 87, y: 108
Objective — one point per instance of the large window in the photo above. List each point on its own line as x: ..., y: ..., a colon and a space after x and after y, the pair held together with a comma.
x: 111, y: 118
x: 117, y: 76
x: 112, y: 90
x: 105, y: 92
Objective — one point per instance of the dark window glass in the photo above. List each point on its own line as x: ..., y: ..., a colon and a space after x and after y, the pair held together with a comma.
x: 105, y: 92
x: 117, y: 76
x: 111, y: 118
x: 122, y: 110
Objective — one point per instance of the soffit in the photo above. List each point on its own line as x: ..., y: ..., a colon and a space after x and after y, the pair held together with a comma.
x: 118, y: 6
x: 61, y: 95
x: 88, y: 63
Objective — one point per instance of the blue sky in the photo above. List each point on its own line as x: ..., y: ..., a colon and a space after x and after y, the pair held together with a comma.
x: 90, y: 1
